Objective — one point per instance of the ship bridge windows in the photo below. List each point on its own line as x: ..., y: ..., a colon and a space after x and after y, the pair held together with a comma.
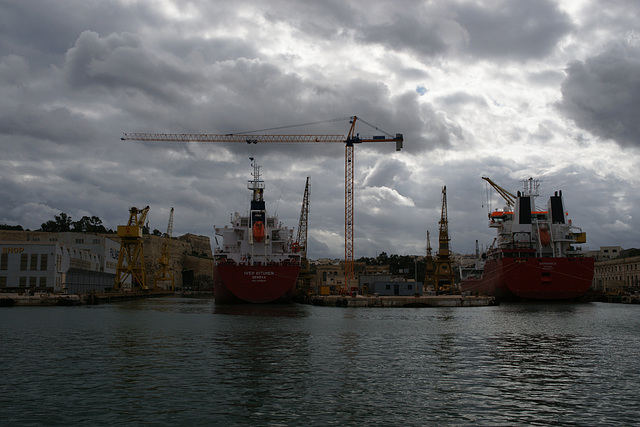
x: 271, y: 222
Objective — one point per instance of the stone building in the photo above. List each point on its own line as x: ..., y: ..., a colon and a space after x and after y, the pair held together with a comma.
x: 330, y: 278
x: 617, y: 274
x: 80, y: 262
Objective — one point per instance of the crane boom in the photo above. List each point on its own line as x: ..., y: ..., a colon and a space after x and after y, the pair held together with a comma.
x: 349, y: 141
x: 303, y: 223
x: 507, y: 196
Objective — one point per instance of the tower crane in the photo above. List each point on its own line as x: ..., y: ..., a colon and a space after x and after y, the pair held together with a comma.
x: 350, y: 140
x: 164, y: 273
x: 444, y: 281
x: 131, y: 256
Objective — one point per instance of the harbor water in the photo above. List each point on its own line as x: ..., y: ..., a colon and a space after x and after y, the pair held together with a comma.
x: 185, y: 361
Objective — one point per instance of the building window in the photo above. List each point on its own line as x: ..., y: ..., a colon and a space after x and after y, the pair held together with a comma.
x: 43, y: 262
x: 23, y: 281
x: 23, y: 261
x: 34, y: 262
x: 79, y: 241
x: 32, y: 281
x: 43, y: 282
x: 3, y: 281
x: 4, y: 262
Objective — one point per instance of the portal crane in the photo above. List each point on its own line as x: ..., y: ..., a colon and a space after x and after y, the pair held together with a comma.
x: 429, y: 268
x: 164, y: 273
x: 131, y: 256
x: 351, y: 139
x: 444, y: 280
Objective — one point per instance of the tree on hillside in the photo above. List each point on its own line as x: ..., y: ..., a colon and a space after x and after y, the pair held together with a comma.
x: 86, y: 224
x: 60, y: 223
x: 91, y: 224
x: 11, y: 227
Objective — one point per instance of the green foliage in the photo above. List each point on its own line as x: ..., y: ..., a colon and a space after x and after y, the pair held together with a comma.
x: 398, y: 264
x: 11, y: 227
x: 64, y: 222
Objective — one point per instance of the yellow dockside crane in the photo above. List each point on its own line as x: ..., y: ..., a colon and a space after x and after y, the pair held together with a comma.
x: 444, y: 280
x: 131, y: 256
x: 164, y: 274
x: 429, y: 268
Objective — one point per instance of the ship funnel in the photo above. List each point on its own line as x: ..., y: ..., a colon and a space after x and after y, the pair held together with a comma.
x: 556, y: 209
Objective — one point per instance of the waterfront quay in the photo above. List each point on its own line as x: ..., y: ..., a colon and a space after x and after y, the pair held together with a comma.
x: 402, y: 301
x: 53, y: 299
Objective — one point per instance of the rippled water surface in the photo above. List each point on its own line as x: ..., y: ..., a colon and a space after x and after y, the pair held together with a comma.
x: 185, y: 361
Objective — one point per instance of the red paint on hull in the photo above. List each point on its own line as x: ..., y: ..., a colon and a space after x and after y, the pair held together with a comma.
x: 533, y: 278
x: 254, y: 284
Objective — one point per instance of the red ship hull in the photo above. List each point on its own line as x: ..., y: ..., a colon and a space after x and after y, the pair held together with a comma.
x: 235, y: 284
x: 533, y: 278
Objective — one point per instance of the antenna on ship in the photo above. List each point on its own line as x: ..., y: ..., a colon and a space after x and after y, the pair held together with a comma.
x: 256, y: 185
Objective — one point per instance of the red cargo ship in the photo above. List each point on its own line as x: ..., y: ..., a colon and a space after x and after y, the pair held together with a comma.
x: 534, y: 257
x: 258, y: 261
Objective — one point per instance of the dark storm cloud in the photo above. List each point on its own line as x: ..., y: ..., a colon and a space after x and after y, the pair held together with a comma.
x: 602, y: 94
x: 513, y: 29
x: 56, y: 124
x: 43, y: 30
x: 120, y: 61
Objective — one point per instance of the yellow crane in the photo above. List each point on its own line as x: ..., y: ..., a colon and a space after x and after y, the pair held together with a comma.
x: 131, y: 256
x: 164, y: 274
x: 444, y: 279
x: 507, y: 196
x: 429, y: 268
x: 350, y: 141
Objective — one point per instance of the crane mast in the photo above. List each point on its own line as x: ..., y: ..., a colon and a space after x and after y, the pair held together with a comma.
x: 429, y: 268
x: 304, y: 277
x: 250, y: 138
x: 164, y: 273
x: 444, y: 279
x: 302, y: 224
x: 131, y: 255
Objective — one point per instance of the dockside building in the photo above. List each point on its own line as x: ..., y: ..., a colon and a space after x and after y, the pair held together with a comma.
x: 57, y: 262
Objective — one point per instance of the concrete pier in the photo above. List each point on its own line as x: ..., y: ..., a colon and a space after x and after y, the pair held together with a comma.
x: 403, y: 301
x: 49, y: 299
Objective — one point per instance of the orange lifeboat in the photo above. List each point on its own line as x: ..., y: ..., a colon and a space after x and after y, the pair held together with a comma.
x: 258, y: 231
x: 544, y: 236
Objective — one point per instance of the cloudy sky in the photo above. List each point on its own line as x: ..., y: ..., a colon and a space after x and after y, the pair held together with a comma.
x: 509, y: 89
